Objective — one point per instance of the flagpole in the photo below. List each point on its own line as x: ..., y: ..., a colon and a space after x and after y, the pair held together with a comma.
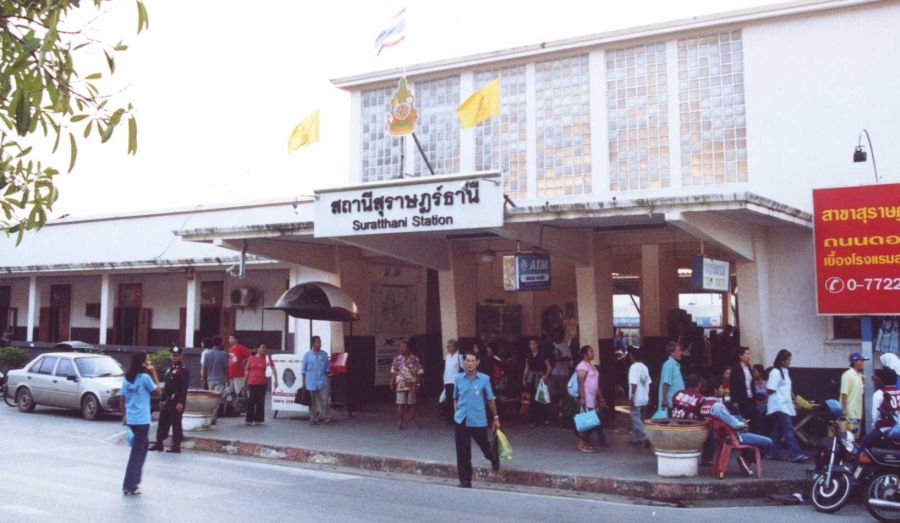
x: 402, y: 155
x: 422, y: 152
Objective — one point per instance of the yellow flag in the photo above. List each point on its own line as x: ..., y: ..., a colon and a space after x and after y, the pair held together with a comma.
x: 305, y: 133
x: 482, y: 105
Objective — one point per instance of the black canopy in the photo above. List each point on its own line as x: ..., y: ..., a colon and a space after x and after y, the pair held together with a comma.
x: 317, y: 301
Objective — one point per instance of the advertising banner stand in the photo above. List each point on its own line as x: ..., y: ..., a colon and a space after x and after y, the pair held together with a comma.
x: 318, y: 301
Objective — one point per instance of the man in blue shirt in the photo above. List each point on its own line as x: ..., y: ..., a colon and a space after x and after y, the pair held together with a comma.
x: 470, y: 392
x: 671, y: 380
x: 316, y: 364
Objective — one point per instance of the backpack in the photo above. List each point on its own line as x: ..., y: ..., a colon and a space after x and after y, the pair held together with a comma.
x: 572, y: 387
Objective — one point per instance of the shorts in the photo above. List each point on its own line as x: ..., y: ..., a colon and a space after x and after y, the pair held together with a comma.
x: 406, y: 397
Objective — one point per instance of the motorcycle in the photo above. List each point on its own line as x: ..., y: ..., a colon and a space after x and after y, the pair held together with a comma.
x: 837, y: 470
x: 882, y: 492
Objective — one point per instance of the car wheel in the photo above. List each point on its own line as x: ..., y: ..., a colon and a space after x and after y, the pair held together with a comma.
x: 90, y: 407
x: 25, y: 400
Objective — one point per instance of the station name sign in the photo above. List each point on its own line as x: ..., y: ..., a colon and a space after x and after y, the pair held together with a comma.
x: 857, y: 235
x: 433, y: 203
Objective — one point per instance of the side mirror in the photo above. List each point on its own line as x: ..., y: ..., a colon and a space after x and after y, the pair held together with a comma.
x: 72, y: 378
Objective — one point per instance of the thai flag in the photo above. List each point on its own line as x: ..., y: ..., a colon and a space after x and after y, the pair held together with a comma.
x: 394, y: 33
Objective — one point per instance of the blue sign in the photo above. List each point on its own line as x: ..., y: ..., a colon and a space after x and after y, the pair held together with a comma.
x: 526, y: 272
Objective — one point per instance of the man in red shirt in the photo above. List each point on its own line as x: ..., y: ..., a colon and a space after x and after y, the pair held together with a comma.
x: 237, y: 361
x: 686, y: 403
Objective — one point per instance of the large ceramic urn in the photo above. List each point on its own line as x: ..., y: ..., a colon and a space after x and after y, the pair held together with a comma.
x: 677, y: 444
x: 199, y: 409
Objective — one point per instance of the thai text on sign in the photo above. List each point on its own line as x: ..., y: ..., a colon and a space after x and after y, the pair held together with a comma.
x: 857, y: 249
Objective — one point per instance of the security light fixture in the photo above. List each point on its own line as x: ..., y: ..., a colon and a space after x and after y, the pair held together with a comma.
x: 860, y: 155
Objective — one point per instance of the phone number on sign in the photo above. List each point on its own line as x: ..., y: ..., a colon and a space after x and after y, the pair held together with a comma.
x: 836, y: 285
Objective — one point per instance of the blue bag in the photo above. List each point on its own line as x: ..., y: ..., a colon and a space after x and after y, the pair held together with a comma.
x: 572, y: 387
x: 586, y: 421
x: 129, y: 436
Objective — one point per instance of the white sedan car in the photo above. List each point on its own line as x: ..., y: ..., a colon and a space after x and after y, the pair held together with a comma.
x: 86, y: 382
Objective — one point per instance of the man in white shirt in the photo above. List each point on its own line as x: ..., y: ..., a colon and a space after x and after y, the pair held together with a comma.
x: 453, y: 365
x: 562, y: 369
x: 639, y: 396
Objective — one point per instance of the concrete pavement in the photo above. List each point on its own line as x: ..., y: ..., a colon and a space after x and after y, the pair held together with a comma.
x: 56, y: 467
x: 543, y: 456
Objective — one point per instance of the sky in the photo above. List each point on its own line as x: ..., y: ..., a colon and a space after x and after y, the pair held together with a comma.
x: 218, y: 86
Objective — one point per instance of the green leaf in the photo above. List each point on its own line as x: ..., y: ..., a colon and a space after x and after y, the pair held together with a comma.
x: 78, y: 118
x: 143, y: 17
x: 24, y: 152
x: 132, y: 136
x: 22, y: 114
x: 73, y: 151
x: 87, y: 128
x: 120, y: 47
x: 93, y: 76
x: 110, y: 62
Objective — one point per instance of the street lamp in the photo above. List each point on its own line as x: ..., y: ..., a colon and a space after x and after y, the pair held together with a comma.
x: 859, y: 154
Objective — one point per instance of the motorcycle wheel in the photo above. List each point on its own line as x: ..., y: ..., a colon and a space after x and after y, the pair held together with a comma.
x: 831, y: 497
x: 884, y: 487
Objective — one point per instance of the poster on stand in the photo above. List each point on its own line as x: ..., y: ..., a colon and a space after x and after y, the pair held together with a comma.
x: 287, y: 367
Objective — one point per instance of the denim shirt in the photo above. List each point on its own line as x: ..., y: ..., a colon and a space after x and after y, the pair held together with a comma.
x: 315, y: 366
x: 470, y: 395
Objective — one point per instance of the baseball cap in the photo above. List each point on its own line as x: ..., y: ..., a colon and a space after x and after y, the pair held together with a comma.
x: 856, y: 356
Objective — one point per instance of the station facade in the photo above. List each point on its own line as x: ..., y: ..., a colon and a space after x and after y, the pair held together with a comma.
x: 618, y: 159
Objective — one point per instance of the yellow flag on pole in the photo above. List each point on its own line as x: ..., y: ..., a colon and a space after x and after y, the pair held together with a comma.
x: 305, y: 133
x: 483, y: 104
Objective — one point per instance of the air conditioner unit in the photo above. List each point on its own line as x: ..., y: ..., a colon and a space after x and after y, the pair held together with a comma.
x: 243, y: 297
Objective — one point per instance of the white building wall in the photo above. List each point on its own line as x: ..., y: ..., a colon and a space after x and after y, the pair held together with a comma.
x: 164, y: 293
x: 811, y: 84
x: 270, y: 285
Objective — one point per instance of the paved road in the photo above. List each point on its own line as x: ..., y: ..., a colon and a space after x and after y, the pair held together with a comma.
x: 57, y: 467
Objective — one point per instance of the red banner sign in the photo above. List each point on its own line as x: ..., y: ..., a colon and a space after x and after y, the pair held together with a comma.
x: 857, y: 234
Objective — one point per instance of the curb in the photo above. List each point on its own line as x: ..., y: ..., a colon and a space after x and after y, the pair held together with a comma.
x: 659, y: 489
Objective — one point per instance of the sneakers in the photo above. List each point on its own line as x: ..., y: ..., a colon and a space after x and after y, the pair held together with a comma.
x: 799, y: 459
x: 135, y: 492
x: 744, y: 466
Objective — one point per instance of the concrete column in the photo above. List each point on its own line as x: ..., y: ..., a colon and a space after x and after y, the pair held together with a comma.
x: 447, y: 298
x: 659, y: 287
x: 753, y: 299
x: 332, y: 333
x: 595, y: 303
x: 34, y: 307
x: 191, y: 309
x: 457, y: 289
x: 107, y: 298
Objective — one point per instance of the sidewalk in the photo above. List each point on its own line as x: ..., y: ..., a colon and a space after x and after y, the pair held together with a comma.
x: 543, y: 456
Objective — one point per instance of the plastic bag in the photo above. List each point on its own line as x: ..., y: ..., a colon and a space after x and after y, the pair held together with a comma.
x: 660, y: 414
x: 443, y: 397
x: 504, y: 449
x: 542, y: 394
x: 129, y: 436
x: 572, y: 386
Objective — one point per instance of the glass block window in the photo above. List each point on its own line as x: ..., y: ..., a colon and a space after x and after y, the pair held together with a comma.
x: 563, y: 121
x: 711, y: 106
x: 501, y: 143
x: 380, y: 150
x: 637, y: 115
x: 438, y: 128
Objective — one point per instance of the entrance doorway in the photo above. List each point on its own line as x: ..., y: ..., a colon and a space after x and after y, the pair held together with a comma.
x: 131, y: 322
x: 54, y: 322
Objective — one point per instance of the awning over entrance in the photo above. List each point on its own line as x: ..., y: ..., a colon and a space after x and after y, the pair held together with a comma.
x: 317, y: 301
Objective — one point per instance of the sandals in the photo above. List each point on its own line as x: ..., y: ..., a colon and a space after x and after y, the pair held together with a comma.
x: 135, y: 492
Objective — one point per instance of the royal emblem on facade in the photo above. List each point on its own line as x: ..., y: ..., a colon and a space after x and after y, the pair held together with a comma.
x: 403, y: 116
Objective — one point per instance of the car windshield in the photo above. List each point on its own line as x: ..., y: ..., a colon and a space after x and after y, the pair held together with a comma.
x: 98, y: 367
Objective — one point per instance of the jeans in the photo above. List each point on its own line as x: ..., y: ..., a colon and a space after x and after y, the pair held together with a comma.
x: 320, y: 404
x: 256, y: 406
x: 137, y: 457
x: 637, y: 424
x: 783, y: 428
x: 216, y: 386
x: 464, y: 436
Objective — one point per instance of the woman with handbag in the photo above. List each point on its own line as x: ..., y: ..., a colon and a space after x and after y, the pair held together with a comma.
x: 256, y: 381
x: 537, y: 369
x: 590, y: 399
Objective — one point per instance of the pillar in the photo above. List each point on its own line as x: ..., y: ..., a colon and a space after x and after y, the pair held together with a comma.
x: 659, y: 288
x: 34, y: 307
x: 191, y: 309
x: 753, y: 300
x: 106, y: 307
x: 595, y: 298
